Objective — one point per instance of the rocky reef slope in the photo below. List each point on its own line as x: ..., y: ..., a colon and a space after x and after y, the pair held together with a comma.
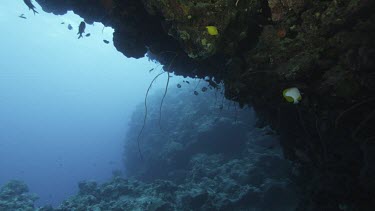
x: 14, y: 196
x: 213, y: 183
x: 189, y: 124
x: 325, y: 48
x: 208, y: 145
x: 220, y: 161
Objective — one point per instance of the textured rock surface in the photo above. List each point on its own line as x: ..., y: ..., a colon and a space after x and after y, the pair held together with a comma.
x: 258, y: 180
x: 187, y: 22
x: 213, y: 183
x: 14, y: 196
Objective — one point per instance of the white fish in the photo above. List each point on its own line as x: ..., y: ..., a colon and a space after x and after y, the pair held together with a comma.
x: 292, y: 95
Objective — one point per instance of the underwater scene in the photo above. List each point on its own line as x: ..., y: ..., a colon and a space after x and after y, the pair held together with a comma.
x: 184, y: 105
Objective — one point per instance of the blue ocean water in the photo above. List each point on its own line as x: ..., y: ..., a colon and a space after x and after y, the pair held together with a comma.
x: 65, y: 103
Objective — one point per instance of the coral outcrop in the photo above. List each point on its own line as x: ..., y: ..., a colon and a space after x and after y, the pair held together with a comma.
x: 186, y: 21
x: 15, y: 195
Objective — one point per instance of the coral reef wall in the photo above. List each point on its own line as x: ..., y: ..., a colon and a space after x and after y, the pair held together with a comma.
x: 190, y: 124
x: 212, y: 150
x: 15, y: 195
x: 218, y: 162
x: 325, y: 48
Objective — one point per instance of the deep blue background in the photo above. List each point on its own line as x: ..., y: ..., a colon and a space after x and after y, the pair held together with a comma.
x: 64, y: 103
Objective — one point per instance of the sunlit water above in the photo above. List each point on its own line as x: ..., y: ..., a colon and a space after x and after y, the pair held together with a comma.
x: 65, y: 102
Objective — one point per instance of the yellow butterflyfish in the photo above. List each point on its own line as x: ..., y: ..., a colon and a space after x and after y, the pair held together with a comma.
x: 212, y: 30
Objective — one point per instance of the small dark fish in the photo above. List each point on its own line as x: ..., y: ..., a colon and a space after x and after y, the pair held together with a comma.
x: 178, y: 85
x: 204, y: 89
x: 106, y: 41
x: 81, y: 29
x: 30, y: 5
x: 196, y: 93
x: 22, y: 16
x: 88, y: 35
x: 62, y: 22
x: 70, y: 27
x: 187, y: 82
x: 151, y: 70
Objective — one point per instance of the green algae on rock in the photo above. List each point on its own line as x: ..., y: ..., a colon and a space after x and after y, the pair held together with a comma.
x: 187, y: 21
